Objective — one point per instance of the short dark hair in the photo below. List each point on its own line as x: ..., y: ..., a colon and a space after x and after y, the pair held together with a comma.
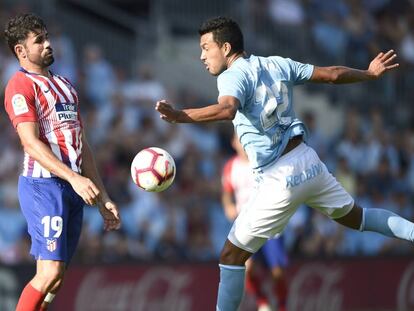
x: 18, y: 28
x: 224, y: 30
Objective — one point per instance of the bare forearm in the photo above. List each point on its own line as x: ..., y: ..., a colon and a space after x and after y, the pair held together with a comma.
x: 341, y: 74
x: 90, y: 171
x: 47, y: 159
x: 382, y: 63
x: 210, y: 113
x: 225, y: 109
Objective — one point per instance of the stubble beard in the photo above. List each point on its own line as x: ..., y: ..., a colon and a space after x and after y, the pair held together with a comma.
x: 43, y: 62
x: 48, y: 61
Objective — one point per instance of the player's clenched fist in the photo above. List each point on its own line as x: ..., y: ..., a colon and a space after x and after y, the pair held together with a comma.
x: 167, y: 112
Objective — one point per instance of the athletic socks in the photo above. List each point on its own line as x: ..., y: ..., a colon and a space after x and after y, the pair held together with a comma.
x: 387, y: 223
x: 281, y: 291
x: 231, y: 287
x: 30, y: 299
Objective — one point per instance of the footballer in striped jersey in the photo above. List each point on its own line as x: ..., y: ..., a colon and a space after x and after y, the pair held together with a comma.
x: 59, y: 174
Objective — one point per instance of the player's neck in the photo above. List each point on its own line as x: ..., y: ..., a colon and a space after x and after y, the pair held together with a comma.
x: 233, y: 58
x: 43, y: 71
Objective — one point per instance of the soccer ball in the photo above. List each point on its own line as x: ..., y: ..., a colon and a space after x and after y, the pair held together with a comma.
x: 153, y: 169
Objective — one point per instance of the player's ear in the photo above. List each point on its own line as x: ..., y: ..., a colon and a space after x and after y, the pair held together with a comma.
x: 227, y: 48
x: 20, y: 51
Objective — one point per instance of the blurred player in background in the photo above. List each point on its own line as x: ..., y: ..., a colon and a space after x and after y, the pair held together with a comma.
x: 59, y: 173
x: 238, y: 185
x: 256, y: 93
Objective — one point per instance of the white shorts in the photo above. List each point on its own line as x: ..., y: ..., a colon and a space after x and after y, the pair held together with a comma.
x: 298, y: 177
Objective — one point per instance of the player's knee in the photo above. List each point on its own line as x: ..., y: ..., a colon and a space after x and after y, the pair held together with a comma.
x: 353, y: 219
x: 277, y: 273
x: 51, y: 276
x: 232, y: 255
x: 227, y: 256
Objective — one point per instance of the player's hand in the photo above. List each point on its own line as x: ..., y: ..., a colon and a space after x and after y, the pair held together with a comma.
x: 382, y: 63
x: 110, y: 215
x: 85, y: 187
x: 167, y: 112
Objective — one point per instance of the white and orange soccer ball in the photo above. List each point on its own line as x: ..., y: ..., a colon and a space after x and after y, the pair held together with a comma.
x: 153, y: 169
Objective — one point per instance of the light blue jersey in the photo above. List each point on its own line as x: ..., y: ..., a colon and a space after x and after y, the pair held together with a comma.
x: 265, y: 120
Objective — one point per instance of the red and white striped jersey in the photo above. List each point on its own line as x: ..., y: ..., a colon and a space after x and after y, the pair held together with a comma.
x: 237, y: 178
x: 53, y: 103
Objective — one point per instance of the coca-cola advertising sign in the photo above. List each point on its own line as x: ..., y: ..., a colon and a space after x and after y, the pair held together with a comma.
x: 355, y: 284
x: 331, y: 285
x: 135, y: 288
x: 405, y: 298
x: 315, y: 287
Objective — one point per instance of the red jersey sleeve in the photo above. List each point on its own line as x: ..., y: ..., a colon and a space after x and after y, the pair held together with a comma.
x: 226, y: 182
x: 19, y: 100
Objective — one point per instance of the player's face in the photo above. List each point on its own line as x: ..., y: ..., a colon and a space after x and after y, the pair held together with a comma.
x: 37, y: 49
x: 212, y: 55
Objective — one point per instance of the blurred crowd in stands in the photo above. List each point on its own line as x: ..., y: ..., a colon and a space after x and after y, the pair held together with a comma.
x: 372, y: 154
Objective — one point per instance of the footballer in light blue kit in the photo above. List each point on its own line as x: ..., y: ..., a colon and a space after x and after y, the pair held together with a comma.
x: 265, y: 119
x: 256, y: 93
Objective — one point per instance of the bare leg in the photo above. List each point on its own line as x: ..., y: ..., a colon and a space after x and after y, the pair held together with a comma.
x: 353, y: 219
x: 48, y: 274
x: 233, y: 255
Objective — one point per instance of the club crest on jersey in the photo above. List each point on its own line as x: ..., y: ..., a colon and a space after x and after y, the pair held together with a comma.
x: 66, y: 111
x: 51, y: 244
x: 19, y: 104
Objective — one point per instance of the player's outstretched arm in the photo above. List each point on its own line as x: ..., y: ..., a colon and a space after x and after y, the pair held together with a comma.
x: 107, y: 207
x: 225, y: 109
x: 381, y: 64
